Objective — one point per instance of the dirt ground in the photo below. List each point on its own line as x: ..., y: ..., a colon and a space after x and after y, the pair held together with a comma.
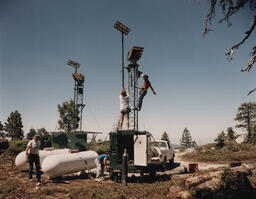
x: 201, y: 165
x: 15, y: 184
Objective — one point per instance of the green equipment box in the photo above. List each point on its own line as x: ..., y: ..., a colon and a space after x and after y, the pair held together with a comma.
x: 137, y: 144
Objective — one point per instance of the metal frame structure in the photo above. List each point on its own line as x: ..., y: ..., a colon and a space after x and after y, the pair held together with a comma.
x: 134, y: 92
x: 124, y: 30
x: 78, y: 92
x: 78, y: 95
x: 134, y: 55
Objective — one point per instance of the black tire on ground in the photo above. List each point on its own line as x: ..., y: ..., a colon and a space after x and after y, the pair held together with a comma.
x: 171, y: 162
x: 116, y: 176
x: 152, y: 175
x: 112, y: 175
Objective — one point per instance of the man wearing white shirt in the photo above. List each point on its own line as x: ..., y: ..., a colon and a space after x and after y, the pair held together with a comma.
x: 32, y: 156
x: 124, y: 108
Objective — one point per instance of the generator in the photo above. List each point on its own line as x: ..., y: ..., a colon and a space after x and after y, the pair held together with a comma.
x: 138, y: 146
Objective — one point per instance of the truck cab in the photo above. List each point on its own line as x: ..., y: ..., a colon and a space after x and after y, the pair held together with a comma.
x: 162, y: 152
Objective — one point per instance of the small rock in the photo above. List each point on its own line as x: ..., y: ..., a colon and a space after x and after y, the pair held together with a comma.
x: 189, y: 150
x: 243, y: 169
x: 241, y: 139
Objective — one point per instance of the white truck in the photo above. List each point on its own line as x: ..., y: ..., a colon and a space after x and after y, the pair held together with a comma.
x: 162, y: 152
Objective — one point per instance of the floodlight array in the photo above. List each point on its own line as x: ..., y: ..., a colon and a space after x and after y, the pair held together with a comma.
x: 122, y: 28
x: 135, y: 53
x: 78, y: 77
x: 73, y: 63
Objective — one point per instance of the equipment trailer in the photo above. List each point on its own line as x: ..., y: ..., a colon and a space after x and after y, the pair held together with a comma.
x: 141, y: 158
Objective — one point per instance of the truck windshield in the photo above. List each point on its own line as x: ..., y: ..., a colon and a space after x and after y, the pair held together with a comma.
x: 159, y: 144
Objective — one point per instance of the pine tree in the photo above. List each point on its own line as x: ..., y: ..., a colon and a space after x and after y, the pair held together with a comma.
x: 31, y: 134
x: 2, y: 134
x: 194, y: 144
x: 186, y: 139
x: 68, y: 116
x: 220, y: 140
x: 166, y: 138
x: 43, y: 137
x: 230, y: 134
x: 246, y: 116
x: 13, y: 126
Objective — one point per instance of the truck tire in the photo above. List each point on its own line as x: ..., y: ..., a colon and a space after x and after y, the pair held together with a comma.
x: 171, y: 162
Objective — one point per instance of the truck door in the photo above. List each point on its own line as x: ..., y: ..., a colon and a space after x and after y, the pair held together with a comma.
x: 140, y: 150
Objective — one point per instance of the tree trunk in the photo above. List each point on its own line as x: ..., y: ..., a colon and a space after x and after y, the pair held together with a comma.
x: 248, y: 127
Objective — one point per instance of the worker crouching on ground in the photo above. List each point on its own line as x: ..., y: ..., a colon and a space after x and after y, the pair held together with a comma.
x: 124, y: 107
x: 32, y: 156
x: 100, y: 162
x: 144, y: 89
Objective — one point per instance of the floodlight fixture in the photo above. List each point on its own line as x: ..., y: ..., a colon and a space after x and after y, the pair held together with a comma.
x: 73, y: 64
x: 78, y: 77
x: 135, y: 53
x: 122, y: 28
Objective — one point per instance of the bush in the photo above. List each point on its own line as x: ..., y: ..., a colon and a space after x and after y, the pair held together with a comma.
x: 220, y: 140
x: 4, y: 144
x: 100, y: 148
x: 17, y: 146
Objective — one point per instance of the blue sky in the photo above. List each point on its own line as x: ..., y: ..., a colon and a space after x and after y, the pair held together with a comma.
x: 196, y: 86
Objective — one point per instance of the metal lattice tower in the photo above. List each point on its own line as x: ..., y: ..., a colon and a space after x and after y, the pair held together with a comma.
x: 78, y: 92
x: 133, y: 56
x: 78, y: 95
x: 134, y: 93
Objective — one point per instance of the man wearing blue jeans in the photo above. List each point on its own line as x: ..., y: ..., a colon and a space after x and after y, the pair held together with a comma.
x: 32, y: 156
x: 144, y: 89
x: 100, y: 161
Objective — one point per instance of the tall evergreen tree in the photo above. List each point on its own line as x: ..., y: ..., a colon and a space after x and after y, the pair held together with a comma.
x: 166, y: 138
x: 230, y: 134
x: 246, y: 116
x: 220, y: 140
x: 13, y: 126
x: 186, y: 139
x: 31, y: 134
x: 2, y: 134
x: 193, y: 144
x: 69, y: 118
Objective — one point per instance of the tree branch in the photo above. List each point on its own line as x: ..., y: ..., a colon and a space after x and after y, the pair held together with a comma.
x: 231, y: 51
x: 209, y: 15
x: 251, y: 91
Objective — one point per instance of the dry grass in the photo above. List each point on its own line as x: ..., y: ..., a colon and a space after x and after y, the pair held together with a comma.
x: 229, y: 153
x: 15, y: 184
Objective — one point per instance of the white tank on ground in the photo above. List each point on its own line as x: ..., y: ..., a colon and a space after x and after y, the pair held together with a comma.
x: 20, y: 160
x: 57, y: 165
